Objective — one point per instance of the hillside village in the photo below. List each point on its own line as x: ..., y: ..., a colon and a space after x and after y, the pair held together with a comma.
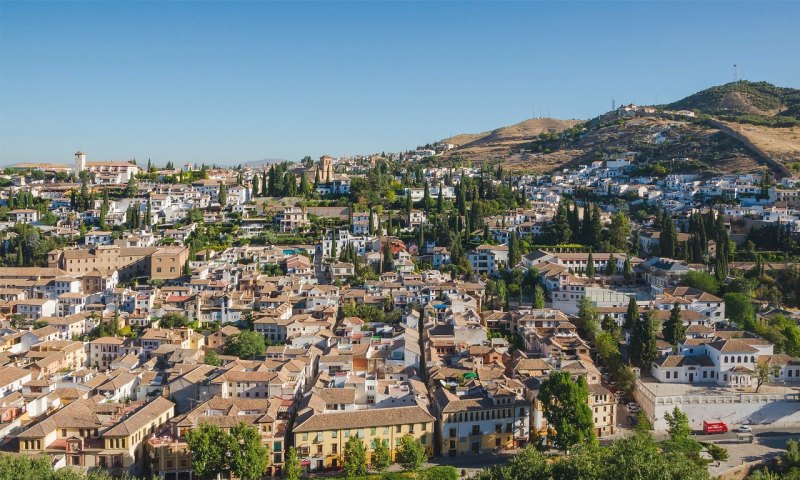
x: 386, y: 298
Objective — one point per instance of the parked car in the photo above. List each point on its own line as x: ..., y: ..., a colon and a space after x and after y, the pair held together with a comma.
x: 633, y: 407
x: 743, y: 429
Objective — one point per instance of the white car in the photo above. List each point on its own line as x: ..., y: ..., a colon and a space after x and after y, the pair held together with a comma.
x: 634, y: 407
x: 743, y: 429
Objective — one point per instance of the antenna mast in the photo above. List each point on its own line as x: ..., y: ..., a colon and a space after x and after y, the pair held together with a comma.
x: 613, y: 104
x: 735, y: 73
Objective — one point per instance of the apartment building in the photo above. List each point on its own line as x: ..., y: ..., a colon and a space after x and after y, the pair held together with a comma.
x: 330, y: 416
x: 167, y: 262
x: 168, y: 448
x: 488, y: 259
x: 291, y: 219
x: 104, y: 350
x: 90, y: 435
x: 483, y: 419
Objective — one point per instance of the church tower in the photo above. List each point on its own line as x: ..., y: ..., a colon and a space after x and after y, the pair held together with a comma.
x: 80, y: 162
x: 326, y: 169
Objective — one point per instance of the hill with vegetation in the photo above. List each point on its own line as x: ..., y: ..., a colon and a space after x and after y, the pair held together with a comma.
x: 760, y: 103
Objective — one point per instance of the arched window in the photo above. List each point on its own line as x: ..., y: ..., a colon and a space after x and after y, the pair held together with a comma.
x: 739, y: 359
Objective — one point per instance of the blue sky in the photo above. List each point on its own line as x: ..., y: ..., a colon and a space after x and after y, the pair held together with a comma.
x: 232, y: 82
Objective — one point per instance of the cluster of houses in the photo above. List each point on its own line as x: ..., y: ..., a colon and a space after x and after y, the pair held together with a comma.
x: 456, y: 375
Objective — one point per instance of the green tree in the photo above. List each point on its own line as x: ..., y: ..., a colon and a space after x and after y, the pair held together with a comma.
x: 701, y: 281
x: 673, y: 329
x: 206, y: 443
x: 566, y: 408
x: 212, y: 358
x: 514, y: 253
x: 246, y: 344
x: 627, y: 270
x: 677, y: 424
x: 355, y: 457
x: 590, y: 265
x: 668, y: 238
x: 387, y: 260
x: 739, y: 309
x: 223, y: 194
x: 131, y: 189
x: 589, y: 318
x: 250, y: 458
x: 619, y: 231
x: 538, y: 296
x: 411, y: 453
x: 292, y: 470
x: 632, y: 314
x: 611, y: 266
x: 643, y: 349
x: 173, y: 320
x: 381, y: 456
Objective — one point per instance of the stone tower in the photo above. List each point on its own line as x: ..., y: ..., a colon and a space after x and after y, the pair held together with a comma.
x: 80, y: 161
x: 325, y: 169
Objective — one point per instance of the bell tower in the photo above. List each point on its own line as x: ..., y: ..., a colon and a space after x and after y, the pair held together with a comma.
x: 80, y: 162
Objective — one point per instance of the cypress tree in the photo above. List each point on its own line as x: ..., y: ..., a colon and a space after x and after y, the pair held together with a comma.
x: 611, y: 266
x: 632, y: 315
x: 673, y: 329
x: 590, y: 265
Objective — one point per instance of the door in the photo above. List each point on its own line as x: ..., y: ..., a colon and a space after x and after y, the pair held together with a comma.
x: 476, y: 447
x: 691, y: 377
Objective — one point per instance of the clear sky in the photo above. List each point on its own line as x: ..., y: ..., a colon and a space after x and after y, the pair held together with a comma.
x: 233, y: 82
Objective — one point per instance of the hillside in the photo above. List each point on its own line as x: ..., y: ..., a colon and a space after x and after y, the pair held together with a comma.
x: 745, y: 99
x: 739, y: 127
x: 497, y: 143
x: 657, y: 144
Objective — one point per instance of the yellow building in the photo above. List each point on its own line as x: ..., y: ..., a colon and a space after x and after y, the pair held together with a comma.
x: 483, y: 419
x: 107, y: 436
x: 320, y: 434
x: 169, y: 452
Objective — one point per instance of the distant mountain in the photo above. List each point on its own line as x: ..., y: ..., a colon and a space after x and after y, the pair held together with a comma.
x: 744, y: 98
x: 266, y: 161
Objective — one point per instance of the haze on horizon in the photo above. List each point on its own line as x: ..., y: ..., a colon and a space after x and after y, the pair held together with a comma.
x: 230, y: 83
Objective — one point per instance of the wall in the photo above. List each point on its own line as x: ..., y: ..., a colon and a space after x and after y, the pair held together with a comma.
x: 731, y: 408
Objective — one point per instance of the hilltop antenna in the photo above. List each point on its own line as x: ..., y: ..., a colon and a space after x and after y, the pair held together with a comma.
x: 735, y: 73
x: 533, y: 110
x: 613, y: 104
